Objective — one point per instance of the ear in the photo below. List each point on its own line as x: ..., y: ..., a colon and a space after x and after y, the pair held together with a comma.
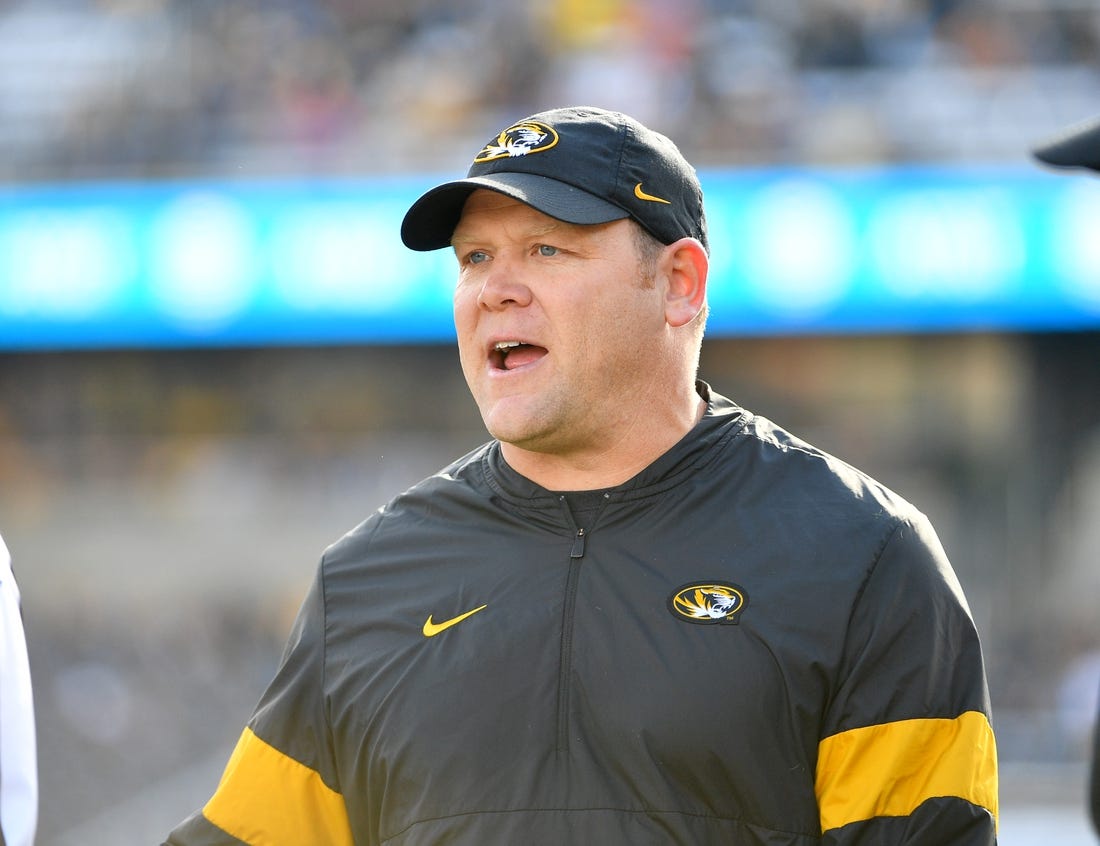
x: 684, y: 265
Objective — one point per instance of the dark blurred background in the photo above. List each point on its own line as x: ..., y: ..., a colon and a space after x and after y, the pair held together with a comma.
x: 165, y: 504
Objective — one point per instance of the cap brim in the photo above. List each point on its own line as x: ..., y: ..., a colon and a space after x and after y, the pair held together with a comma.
x: 430, y: 222
x: 1078, y: 146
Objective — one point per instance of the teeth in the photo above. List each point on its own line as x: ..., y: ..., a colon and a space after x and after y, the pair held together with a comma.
x: 505, y: 345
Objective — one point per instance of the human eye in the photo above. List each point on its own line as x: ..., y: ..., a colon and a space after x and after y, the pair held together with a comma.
x: 476, y: 257
x: 547, y: 250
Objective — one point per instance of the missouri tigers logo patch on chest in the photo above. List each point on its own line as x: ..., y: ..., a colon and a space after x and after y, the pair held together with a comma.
x: 708, y: 603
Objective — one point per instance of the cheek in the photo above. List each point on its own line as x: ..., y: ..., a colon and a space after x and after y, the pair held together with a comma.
x: 465, y: 319
x: 465, y: 309
x: 632, y: 317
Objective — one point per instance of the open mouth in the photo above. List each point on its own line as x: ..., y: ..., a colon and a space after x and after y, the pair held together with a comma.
x: 509, y: 355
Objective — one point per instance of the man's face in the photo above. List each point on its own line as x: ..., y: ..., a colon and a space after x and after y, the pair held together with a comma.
x: 558, y: 335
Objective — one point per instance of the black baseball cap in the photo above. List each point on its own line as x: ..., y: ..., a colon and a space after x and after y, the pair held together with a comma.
x: 579, y: 164
x: 1077, y: 146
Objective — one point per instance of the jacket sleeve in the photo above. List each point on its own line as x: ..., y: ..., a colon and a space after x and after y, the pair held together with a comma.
x: 1094, y: 776
x: 908, y: 756
x: 18, y: 762
x: 280, y: 784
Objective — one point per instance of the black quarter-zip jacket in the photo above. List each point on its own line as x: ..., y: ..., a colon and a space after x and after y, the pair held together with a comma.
x: 750, y: 642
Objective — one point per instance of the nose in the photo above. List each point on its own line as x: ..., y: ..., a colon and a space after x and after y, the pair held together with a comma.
x: 503, y: 287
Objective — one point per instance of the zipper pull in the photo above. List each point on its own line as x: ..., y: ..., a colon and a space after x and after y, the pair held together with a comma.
x: 578, y: 545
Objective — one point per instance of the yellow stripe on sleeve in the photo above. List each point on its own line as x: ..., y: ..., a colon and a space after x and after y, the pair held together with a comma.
x: 889, y: 770
x: 266, y: 798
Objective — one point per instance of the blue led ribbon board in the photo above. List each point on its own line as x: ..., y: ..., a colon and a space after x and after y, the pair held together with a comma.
x: 314, y: 263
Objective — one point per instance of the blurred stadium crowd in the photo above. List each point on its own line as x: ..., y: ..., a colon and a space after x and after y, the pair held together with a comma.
x: 165, y: 508
x: 138, y: 88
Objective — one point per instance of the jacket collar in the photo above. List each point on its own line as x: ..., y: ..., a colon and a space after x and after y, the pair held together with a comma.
x: 722, y: 420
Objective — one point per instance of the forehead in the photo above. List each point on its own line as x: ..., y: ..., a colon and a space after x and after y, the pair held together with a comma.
x: 491, y: 207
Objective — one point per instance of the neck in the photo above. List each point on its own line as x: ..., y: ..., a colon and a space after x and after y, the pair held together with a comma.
x: 638, y: 444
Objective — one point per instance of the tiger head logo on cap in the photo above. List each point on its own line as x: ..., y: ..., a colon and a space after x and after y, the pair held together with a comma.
x: 519, y: 140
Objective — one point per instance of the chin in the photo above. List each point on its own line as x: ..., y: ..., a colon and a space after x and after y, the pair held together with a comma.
x: 511, y: 433
x: 509, y: 416
x: 530, y: 423
x: 523, y: 433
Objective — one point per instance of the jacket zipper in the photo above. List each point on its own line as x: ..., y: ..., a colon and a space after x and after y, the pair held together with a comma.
x: 566, y: 662
x: 572, y: 580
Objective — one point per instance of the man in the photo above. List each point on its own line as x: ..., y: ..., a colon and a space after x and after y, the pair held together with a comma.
x: 1079, y: 147
x: 640, y: 614
x: 18, y: 759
